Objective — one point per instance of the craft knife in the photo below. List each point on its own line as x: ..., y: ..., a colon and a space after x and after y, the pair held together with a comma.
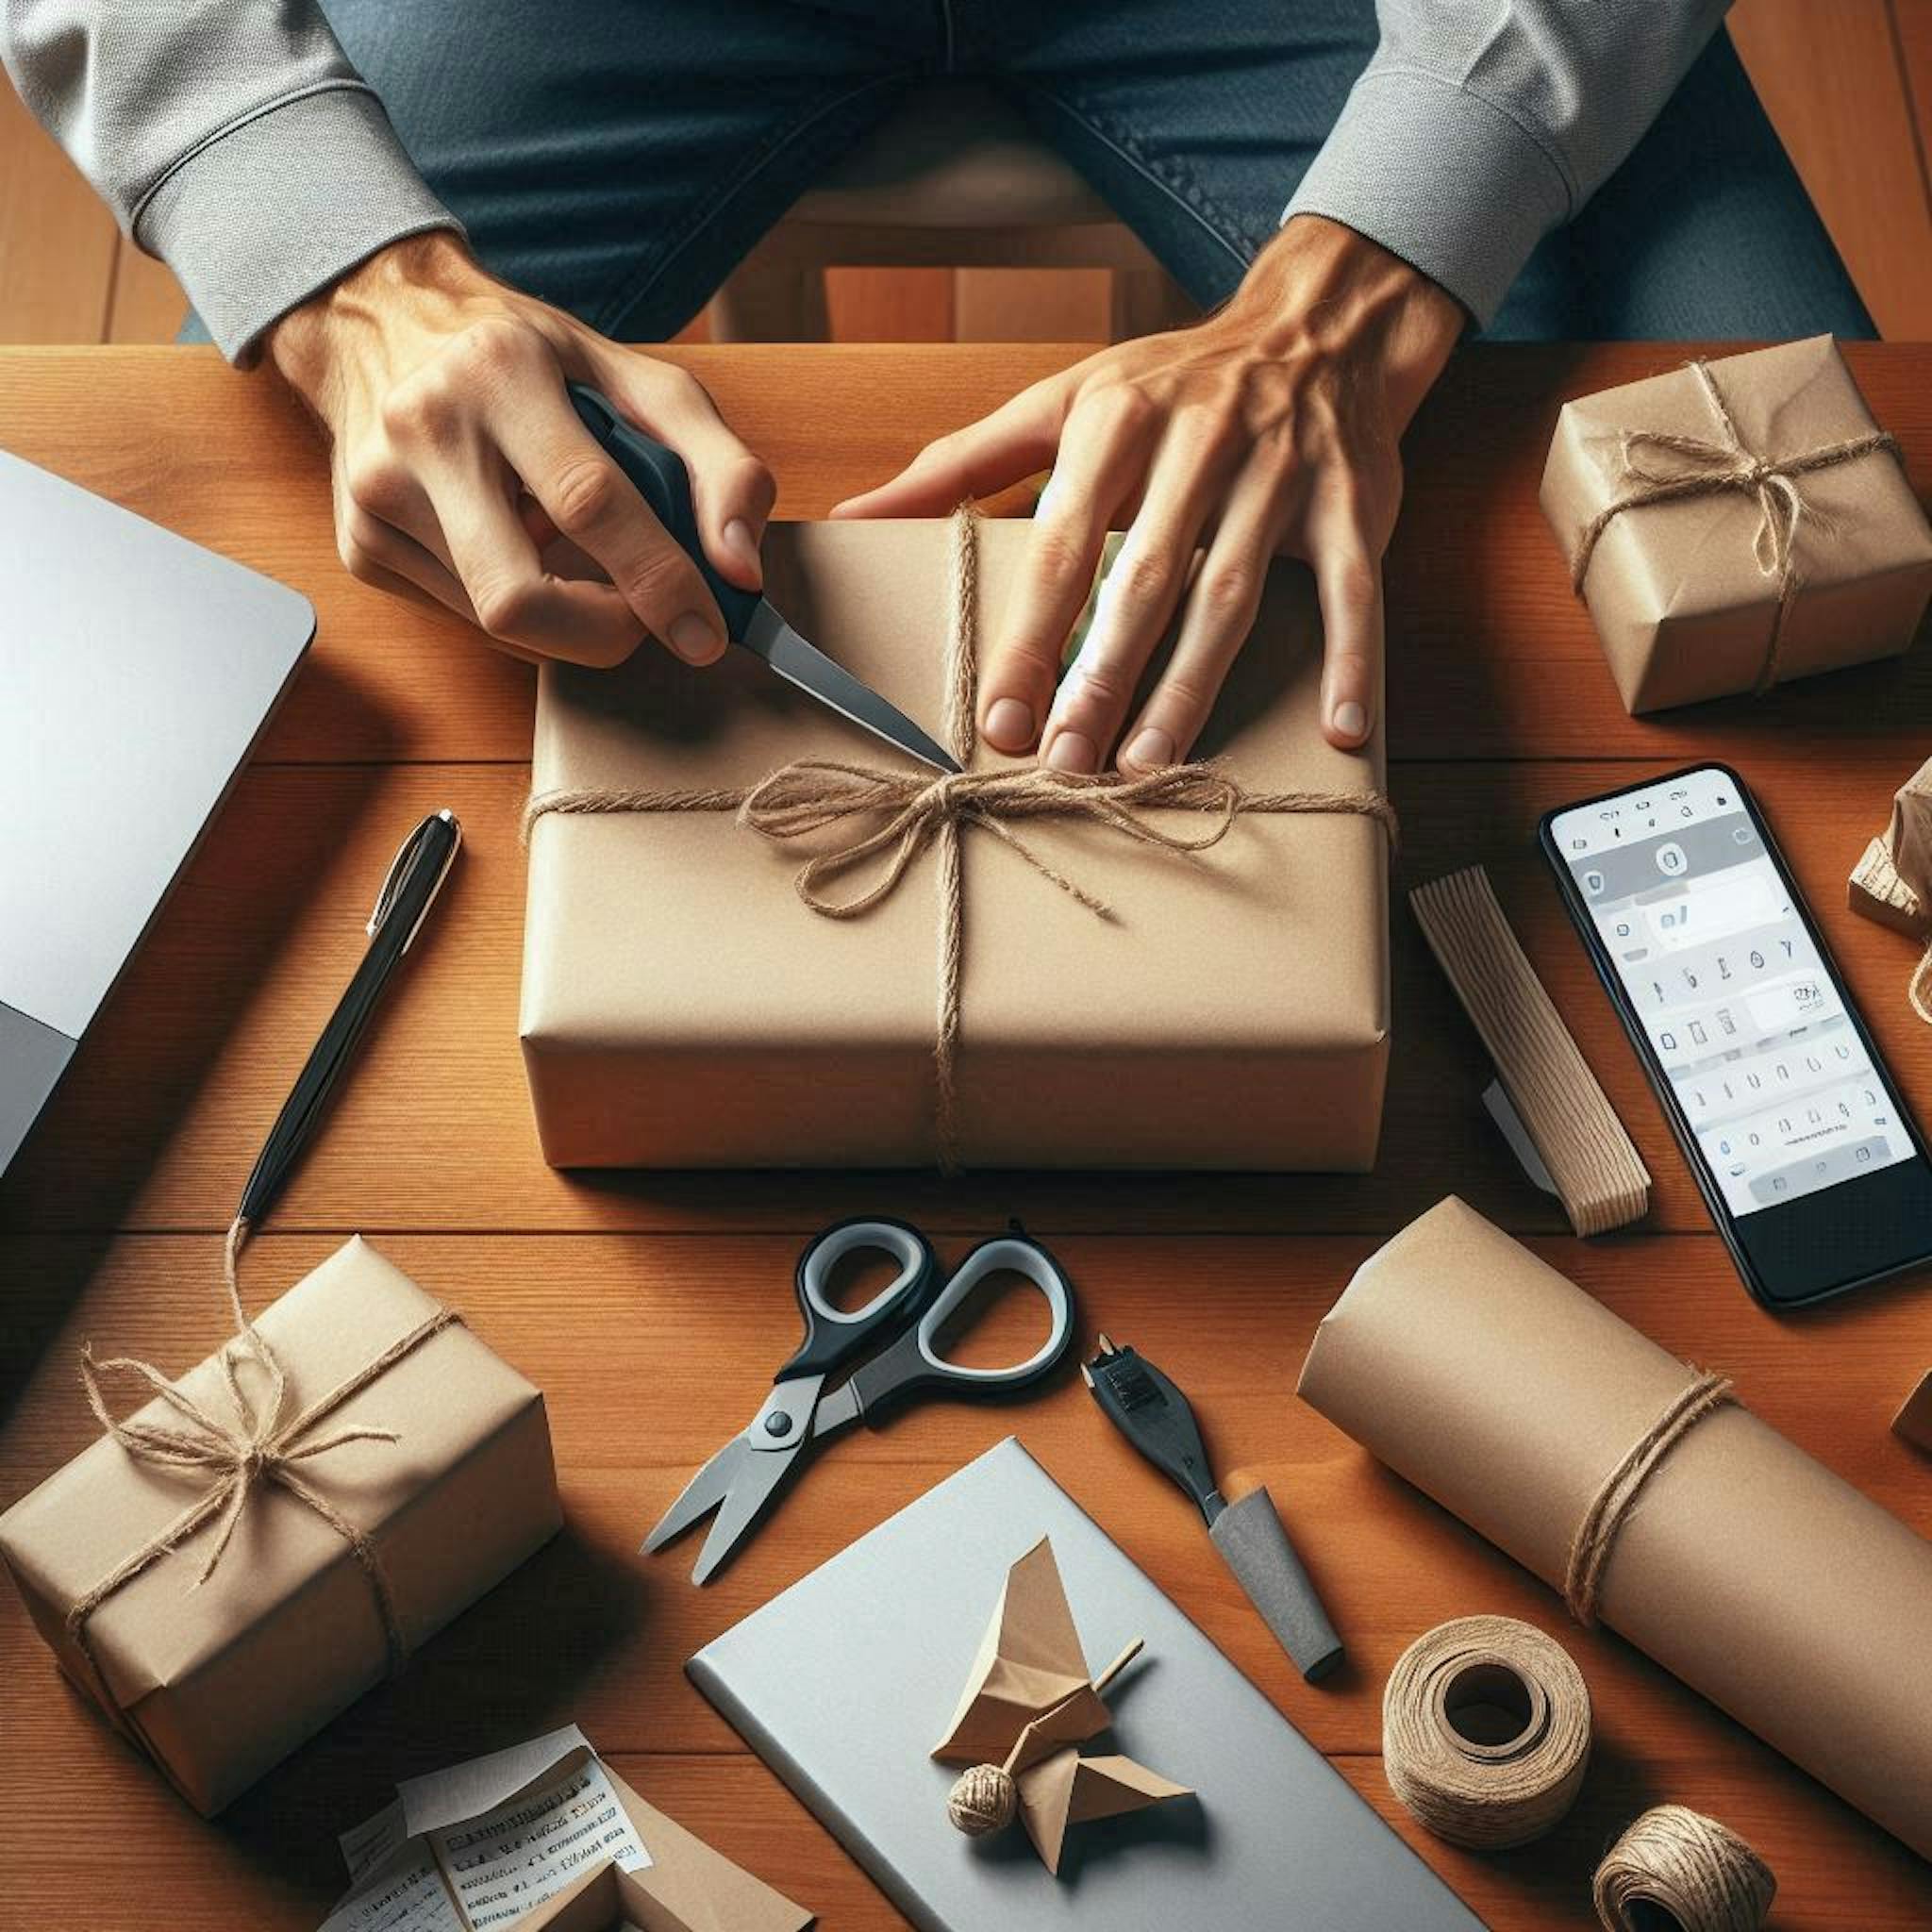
x: 750, y: 619
x: 1154, y: 1416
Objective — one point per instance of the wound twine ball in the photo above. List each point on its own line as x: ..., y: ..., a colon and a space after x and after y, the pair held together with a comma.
x: 1486, y: 1731
x: 983, y: 1801
x: 1676, y: 1870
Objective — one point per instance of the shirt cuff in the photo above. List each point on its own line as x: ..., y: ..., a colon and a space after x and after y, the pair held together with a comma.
x: 281, y: 204
x: 1440, y: 177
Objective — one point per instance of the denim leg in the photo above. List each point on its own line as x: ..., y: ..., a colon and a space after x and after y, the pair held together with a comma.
x: 618, y: 157
x: 1193, y: 118
x: 1706, y: 232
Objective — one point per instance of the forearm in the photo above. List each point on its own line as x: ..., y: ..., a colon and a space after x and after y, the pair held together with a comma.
x: 230, y: 137
x: 1479, y: 126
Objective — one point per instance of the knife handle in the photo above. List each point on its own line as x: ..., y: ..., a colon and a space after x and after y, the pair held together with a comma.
x: 664, y: 483
x: 1255, y: 1547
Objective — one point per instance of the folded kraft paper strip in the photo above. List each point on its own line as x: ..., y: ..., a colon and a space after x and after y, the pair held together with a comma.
x: 1595, y: 1167
x: 1646, y: 1492
x: 1737, y: 523
x: 277, y: 1530
x: 757, y: 938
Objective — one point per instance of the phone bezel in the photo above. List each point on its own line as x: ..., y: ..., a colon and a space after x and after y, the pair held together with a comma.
x: 1727, y: 1223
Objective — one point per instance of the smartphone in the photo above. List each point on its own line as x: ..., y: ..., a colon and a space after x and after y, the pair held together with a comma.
x: 1815, y: 1173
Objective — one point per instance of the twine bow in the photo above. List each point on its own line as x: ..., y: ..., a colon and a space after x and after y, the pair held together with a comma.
x: 909, y: 812
x: 257, y: 1446
x: 1708, y: 468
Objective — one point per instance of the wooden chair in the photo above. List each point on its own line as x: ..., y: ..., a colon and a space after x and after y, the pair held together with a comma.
x: 954, y: 179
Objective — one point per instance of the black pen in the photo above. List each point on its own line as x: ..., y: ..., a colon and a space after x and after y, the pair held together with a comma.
x: 414, y: 879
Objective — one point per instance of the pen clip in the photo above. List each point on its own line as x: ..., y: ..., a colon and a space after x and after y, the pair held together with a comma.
x: 399, y: 871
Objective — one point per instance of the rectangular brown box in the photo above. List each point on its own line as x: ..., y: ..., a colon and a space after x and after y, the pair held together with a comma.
x: 218, y: 1683
x: 1677, y: 591
x: 682, y: 1009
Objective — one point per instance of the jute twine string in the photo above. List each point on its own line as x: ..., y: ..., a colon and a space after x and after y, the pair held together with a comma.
x: 1676, y: 1869
x: 1706, y: 467
x: 237, y: 1456
x: 1597, y: 1535
x: 1488, y: 1796
x: 908, y: 813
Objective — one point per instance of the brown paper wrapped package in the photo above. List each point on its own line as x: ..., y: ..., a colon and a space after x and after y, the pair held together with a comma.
x: 681, y: 1007
x: 1762, y: 1580
x: 218, y: 1682
x: 1679, y: 591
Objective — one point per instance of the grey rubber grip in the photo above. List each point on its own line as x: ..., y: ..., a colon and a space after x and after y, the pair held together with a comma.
x: 1255, y: 1547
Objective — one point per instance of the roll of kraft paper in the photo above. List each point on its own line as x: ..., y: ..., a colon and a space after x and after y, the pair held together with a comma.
x: 1528, y: 1408
x: 1486, y: 1731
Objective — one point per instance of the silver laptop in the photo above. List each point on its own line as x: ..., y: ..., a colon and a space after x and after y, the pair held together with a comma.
x: 136, y: 672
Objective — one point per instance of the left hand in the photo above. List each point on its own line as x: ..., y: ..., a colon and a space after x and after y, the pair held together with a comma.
x: 1270, y: 427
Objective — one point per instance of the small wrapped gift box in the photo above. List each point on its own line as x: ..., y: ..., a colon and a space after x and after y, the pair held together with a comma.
x: 1115, y: 1001
x: 1737, y: 523
x: 351, y: 1526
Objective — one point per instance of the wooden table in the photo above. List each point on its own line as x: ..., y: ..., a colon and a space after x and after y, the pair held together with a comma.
x: 650, y: 1308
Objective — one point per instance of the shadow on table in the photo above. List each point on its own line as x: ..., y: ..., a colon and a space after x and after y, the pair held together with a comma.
x: 511, y: 1667
x: 206, y: 959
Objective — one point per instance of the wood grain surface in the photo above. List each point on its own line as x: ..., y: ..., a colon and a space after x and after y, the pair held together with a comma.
x: 652, y: 1308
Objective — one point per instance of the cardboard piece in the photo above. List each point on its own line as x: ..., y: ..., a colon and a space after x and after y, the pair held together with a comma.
x: 219, y: 1682
x: 1763, y: 1581
x: 1892, y: 882
x: 1030, y: 1703
x: 688, y: 1887
x: 682, y: 1009
x: 1677, y: 591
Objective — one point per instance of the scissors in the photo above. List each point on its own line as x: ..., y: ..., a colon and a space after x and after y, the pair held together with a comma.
x: 892, y: 1338
x: 664, y: 483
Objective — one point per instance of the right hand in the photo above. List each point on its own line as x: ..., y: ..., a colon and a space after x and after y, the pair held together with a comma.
x: 461, y: 474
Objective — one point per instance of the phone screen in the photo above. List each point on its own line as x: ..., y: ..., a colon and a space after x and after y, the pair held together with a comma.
x: 1742, y: 1014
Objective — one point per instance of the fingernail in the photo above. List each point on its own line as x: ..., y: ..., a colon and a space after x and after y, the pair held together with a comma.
x: 1072, y: 751
x: 1009, y: 725
x: 1351, y: 720
x: 1151, y: 749
x: 741, y: 542
x: 693, y: 640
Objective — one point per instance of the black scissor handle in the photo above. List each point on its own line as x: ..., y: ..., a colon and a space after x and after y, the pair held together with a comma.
x: 664, y: 483
x: 913, y: 1364
x: 832, y: 1336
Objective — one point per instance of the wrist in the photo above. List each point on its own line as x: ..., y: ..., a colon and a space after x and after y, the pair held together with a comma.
x: 1320, y: 290
x: 398, y: 287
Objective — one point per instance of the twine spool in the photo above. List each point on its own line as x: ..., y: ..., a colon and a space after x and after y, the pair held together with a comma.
x: 1676, y: 1870
x: 983, y: 1800
x: 1486, y: 1731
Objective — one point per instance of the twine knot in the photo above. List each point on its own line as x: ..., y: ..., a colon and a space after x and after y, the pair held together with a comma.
x: 1698, y: 466
x: 255, y: 1443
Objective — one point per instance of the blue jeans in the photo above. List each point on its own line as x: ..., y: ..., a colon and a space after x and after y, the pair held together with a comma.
x: 619, y: 158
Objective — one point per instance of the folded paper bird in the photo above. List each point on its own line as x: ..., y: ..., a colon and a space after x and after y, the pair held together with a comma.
x: 1027, y: 1707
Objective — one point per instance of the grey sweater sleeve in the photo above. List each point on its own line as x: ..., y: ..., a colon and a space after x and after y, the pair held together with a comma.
x: 231, y: 138
x: 1482, y: 125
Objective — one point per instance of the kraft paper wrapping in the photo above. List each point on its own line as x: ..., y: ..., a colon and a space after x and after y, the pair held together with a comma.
x: 681, y: 1007
x: 218, y: 1683
x: 1680, y: 599
x: 1762, y: 1580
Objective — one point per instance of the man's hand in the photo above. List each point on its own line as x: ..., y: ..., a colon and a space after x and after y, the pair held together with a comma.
x: 462, y: 474
x: 1270, y: 427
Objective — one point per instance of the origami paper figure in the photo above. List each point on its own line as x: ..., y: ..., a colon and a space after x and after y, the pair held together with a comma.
x: 1028, y: 1705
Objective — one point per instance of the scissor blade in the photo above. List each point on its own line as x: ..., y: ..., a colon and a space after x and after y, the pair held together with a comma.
x: 804, y: 664
x: 750, y: 1496
x: 703, y: 1494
